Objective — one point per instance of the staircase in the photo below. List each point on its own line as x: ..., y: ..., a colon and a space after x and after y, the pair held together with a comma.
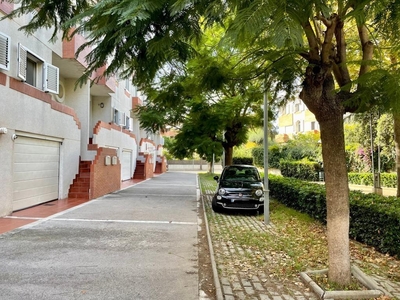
x: 139, y: 171
x: 81, y: 185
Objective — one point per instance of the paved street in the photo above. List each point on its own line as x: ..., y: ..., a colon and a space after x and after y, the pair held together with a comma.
x: 138, y: 243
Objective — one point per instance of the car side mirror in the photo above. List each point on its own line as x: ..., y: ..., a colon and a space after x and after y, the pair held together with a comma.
x: 216, y: 178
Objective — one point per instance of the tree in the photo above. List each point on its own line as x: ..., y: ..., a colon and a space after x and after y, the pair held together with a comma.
x: 211, y: 101
x: 314, y: 40
x: 289, y: 40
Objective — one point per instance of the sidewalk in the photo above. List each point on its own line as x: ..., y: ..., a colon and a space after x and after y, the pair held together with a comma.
x: 240, y: 274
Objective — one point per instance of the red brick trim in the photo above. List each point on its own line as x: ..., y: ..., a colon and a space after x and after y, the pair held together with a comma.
x: 144, y: 140
x: 6, y: 7
x: 136, y: 101
x: 45, y: 97
x: 3, y: 78
x: 71, y: 46
x: 103, y: 125
x: 104, y: 179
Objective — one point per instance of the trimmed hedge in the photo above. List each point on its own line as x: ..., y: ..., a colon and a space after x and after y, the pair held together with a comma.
x: 301, y: 169
x: 387, y: 179
x: 374, y: 219
x: 242, y: 160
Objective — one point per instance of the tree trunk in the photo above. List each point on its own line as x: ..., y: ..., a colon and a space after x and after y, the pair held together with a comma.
x: 228, y: 156
x: 396, y: 118
x: 337, y: 199
x: 319, y: 95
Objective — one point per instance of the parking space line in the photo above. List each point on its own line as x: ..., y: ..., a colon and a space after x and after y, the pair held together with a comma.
x: 125, y: 221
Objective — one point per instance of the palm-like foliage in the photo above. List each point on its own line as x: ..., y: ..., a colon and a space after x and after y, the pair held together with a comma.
x: 214, y: 104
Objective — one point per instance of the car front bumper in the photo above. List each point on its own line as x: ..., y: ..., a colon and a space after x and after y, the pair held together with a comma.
x: 239, y: 203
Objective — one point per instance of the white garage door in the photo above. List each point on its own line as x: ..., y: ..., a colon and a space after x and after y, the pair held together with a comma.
x: 126, y: 162
x: 36, y: 164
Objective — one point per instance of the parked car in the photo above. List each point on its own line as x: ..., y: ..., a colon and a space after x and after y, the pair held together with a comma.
x: 239, y: 187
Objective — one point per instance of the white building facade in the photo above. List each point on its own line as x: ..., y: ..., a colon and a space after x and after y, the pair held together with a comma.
x: 59, y: 140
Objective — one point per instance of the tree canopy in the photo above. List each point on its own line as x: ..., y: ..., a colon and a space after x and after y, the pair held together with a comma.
x: 212, y: 102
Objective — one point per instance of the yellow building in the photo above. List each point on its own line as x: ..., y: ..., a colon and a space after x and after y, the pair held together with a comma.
x: 295, y: 118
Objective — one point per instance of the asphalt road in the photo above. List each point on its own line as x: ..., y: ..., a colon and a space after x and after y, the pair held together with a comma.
x: 138, y: 243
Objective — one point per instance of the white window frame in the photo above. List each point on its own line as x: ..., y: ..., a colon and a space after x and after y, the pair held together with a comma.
x: 127, y: 122
x: 5, y: 42
x: 121, y: 120
x: 116, y: 116
x: 50, y: 74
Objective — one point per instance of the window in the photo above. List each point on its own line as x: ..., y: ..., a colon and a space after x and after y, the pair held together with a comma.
x: 127, y: 123
x: 4, y: 52
x: 116, y: 116
x: 298, y: 128
x: 120, y: 118
x: 31, y: 72
x: 312, y: 125
x: 35, y: 71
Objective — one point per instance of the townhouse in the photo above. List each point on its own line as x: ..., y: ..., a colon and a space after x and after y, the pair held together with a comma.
x: 59, y: 140
x: 295, y: 118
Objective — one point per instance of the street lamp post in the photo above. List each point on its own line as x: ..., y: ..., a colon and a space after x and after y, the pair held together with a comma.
x: 266, y: 189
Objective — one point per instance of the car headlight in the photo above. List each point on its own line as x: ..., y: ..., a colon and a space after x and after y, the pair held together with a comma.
x: 221, y: 191
x: 259, y: 193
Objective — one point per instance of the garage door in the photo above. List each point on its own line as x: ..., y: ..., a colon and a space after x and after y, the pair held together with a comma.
x: 36, y: 164
x: 126, y: 163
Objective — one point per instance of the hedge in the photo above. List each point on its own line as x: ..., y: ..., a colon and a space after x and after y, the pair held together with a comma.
x: 387, y: 179
x: 374, y: 219
x: 302, y: 169
x: 242, y: 160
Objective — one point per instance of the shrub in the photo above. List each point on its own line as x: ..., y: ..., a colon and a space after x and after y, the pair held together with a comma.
x: 275, y: 154
x: 387, y: 179
x: 258, y: 156
x: 304, y: 169
x: 374, y: 219
x: 242, y: 160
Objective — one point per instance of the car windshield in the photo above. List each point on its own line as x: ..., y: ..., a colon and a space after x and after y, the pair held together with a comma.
x: 233, y: 174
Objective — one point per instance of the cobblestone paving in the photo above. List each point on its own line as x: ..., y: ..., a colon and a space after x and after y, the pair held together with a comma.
x: 241, y: 280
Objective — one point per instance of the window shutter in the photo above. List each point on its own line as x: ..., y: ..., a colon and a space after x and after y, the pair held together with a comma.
x: 4, y: 52
x: 116, y: 116
x: 127, y: 123
x: 50, y: 78
x: 121, y: 121
x: 22, y: 61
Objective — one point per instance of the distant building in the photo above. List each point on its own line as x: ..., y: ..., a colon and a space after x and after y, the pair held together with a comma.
x: 295, y: 118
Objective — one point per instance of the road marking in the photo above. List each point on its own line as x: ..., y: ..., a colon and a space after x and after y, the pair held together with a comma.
x: 126, y: 221
x: 105, y: 220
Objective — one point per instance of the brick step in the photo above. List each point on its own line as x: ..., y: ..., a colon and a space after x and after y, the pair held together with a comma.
x: 79, y: 195
x: 82, y: 181
x: 76, y: 189
x: 81, y: 184
x: 83, y: 176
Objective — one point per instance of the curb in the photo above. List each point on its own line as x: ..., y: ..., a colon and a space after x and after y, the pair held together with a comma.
x: 218, y: 289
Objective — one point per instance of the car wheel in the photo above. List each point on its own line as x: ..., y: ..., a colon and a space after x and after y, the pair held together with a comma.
x: 215, y: 206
